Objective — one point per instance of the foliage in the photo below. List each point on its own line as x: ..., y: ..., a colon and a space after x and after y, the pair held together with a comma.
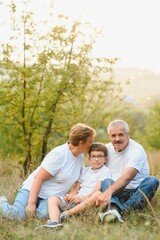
x: 50, y: 82
x: 153, y: 127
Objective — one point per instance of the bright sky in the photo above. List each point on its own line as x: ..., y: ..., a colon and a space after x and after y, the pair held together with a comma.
x: 131, y: 27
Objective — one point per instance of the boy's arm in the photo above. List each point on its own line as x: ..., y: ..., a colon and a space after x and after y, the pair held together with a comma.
x: 97, y: 188
x: 75, y: 199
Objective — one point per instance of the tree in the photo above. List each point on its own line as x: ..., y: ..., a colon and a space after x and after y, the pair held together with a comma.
x: 52, y: 83
x: 153, y: 127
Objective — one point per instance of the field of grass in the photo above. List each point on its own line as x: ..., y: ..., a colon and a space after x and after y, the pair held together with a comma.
x: 138, y: 225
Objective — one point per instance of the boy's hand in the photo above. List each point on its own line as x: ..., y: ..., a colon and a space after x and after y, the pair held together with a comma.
x: 72, y: 198
x: 68, y: 197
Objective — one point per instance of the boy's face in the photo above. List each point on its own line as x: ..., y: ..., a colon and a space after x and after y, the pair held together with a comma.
x: 97, y: 159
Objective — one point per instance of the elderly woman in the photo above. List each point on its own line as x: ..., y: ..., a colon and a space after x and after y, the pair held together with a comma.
x: 59, y: 170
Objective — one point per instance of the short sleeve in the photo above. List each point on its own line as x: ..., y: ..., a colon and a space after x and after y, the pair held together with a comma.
x: 53, y: 162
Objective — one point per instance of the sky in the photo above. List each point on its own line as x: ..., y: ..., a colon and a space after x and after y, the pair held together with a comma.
x: 131, y: 28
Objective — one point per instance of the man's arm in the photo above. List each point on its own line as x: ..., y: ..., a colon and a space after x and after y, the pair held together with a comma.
x: 117, y: 186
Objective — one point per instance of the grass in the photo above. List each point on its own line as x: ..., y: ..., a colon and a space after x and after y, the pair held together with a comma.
x: 138, y: 225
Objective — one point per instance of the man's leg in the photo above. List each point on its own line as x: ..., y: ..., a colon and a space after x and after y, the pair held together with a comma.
x: 146, y: 189
x: 114, y: 201
x: 17, y: 210
x: 114, y: 208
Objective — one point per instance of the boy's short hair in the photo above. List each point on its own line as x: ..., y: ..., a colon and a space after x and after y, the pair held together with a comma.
x: 99, y: 147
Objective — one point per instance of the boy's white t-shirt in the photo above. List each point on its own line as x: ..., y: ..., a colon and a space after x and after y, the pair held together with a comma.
x: 65, y: 169
x: 132, y: 156
x: 89, y: 179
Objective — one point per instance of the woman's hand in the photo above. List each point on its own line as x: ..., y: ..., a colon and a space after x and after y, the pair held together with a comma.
x: 31, y: 210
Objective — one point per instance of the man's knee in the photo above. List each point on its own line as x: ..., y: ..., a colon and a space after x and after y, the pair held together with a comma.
x: 151, y: 181
x: 155, y: 182
x: 106, y: 183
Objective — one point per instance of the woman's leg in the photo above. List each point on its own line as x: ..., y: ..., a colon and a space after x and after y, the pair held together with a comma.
x: 17, y: 210
x: 42, y: 208
x: 89, y: 202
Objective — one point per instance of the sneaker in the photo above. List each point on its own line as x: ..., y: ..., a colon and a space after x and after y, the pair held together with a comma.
x: 110, y: 216
x: 63, y: 217
x: 3, y: 199
x: 51, y: 225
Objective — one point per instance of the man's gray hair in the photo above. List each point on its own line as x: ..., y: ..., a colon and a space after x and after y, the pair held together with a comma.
x: 118, y: 122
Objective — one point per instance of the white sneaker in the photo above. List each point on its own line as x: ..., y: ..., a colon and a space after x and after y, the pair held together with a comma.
x: 3, y: 199
x: 110, y: 216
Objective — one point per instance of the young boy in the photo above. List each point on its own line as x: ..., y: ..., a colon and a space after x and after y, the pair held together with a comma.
x: 85, y: 191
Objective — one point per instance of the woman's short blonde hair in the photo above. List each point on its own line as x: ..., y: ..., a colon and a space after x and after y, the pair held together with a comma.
x: 80, y: 132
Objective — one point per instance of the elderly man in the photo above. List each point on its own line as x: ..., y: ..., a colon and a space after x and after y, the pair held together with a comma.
x: 131, y: 185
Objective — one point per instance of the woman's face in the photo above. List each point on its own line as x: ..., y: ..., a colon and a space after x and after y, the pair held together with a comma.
x: 86, y: 146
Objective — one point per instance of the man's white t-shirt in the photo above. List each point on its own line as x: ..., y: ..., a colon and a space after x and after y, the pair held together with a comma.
x: 89, y: 179
x: 132, y: 156
x: 65, y: 169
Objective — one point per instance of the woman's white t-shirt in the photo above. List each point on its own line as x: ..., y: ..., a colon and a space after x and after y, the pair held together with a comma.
x: 65, y: 169
x: 132, y: 156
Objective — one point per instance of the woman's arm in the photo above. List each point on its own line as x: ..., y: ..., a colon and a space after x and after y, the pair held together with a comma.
x: 41, y: 176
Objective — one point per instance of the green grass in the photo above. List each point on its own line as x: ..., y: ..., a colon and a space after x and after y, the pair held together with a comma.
x: 138, y: 225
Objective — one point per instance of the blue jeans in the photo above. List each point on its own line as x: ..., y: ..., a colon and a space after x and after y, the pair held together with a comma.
x: 17, y: 210
x: 128, y: 198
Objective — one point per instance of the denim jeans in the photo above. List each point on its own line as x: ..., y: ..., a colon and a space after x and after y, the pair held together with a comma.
x: 129, y: 198
x: 17, y: 210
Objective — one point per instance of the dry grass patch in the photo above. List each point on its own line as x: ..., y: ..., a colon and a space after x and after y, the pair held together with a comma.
x: 138, y: 225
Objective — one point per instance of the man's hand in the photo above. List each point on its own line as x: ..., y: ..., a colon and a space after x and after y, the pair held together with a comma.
x: 104, y: 198
x: 31, y: 210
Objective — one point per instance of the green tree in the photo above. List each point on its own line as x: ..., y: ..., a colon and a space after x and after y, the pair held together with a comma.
x: 51, y: 84
x: 153, y: 127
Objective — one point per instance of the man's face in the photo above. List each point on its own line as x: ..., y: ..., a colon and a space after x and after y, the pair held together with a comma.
x: 119, y: 138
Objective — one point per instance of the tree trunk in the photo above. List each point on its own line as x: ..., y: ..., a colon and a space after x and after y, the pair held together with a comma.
x: 45, y: 139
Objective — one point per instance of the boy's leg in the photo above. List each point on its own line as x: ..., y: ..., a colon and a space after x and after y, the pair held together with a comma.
x: 54, y: 204
x: 146, y: 189
x: 89, y: 202
x: 17, y: 210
